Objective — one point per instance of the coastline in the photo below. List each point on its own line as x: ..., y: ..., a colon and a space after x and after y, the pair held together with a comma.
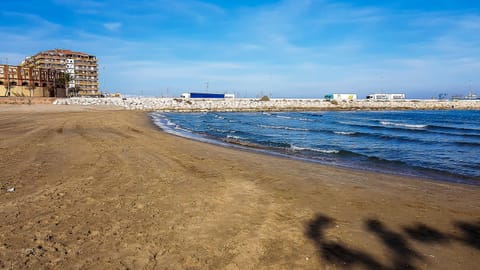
x: 415, y: 172
x: 99, y: 188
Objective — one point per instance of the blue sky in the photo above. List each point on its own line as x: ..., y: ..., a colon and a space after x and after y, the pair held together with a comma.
x: 291, y: 48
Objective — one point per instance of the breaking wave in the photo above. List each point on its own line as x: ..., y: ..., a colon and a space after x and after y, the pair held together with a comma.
x: 409, y: 126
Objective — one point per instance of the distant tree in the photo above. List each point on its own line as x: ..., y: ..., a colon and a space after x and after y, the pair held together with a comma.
x: 65, y: 80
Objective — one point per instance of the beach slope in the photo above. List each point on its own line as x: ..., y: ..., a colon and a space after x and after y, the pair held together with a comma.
x: 104, y: 189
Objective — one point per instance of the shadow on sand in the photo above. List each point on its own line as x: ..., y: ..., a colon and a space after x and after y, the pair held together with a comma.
x: 402, y: 254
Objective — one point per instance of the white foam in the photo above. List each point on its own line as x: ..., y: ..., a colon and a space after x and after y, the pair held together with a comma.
x: 386, y: 123
x: 234, y: 137
x: 344, y: 132
x: 325, y: 151
x: 283, y: 127
x: 284, y: 117
x: 169, y: 126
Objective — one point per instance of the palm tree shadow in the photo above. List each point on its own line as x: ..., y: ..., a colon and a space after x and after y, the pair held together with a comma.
x: 402, y: 253
x: 471, y: 233
x: 424, y: 233
x: 337, y: 253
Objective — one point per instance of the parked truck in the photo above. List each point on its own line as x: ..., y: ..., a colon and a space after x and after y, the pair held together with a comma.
x: 386, y: 96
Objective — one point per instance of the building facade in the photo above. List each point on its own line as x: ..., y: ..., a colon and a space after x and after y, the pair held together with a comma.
x: 24, y: 81
x: 82, y: 68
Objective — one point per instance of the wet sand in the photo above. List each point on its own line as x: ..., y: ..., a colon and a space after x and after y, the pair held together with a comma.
x: 105, y: 189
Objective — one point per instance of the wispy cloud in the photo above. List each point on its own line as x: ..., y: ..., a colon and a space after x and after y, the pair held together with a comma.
x: 112, y: 26
x: 28, y: 22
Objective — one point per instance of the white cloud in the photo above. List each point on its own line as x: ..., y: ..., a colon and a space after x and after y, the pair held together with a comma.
x: 112, y: 26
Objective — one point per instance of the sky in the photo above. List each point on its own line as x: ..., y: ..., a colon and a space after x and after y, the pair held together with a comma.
x: 290, y: 48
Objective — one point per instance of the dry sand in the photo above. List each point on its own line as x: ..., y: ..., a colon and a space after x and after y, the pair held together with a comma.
x: 108, y: 190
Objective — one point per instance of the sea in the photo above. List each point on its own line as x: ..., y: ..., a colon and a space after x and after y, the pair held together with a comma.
x: 436, y: 145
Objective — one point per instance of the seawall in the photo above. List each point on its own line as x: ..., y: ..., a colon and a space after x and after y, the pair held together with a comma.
x: 243, y: 104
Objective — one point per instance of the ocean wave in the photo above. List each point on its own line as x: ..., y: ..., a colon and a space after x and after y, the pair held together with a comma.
x: 435, y: 129
x: 282, y: 116
x: 168, y: 126
x: 218, y: 130
x: 325, y: 151
x: 357, y: 124
x: 283, y: 127
x: 474, y: 131
x: 345, y: 132
x: 456, y: 134
x: 303, y: 119
x: 235, y: 137
x: 409, y: 126
x: 396, y: 137
x: 257, y: 144
x: 386, y: 124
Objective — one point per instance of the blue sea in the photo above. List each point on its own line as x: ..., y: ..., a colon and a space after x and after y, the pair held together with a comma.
x: 439, y: 145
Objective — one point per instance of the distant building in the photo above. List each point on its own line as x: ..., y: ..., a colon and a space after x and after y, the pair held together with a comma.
x: 206, y: 95
x: 31, y: 82
x: 81, y: 67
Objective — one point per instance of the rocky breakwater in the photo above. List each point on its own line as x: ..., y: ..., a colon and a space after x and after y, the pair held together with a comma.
x: 243, y: 104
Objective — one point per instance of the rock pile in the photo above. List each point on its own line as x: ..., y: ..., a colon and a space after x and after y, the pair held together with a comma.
x: 243, y: 104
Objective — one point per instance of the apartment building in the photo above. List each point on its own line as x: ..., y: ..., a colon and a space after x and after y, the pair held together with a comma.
x: 81, y: 67
x: 31, y: 82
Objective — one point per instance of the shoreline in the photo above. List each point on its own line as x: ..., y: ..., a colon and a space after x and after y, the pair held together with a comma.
x: 106, y: 189
x: 421, y: 173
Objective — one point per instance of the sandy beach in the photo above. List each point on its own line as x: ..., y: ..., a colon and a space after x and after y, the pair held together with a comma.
x: 98, y: 188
